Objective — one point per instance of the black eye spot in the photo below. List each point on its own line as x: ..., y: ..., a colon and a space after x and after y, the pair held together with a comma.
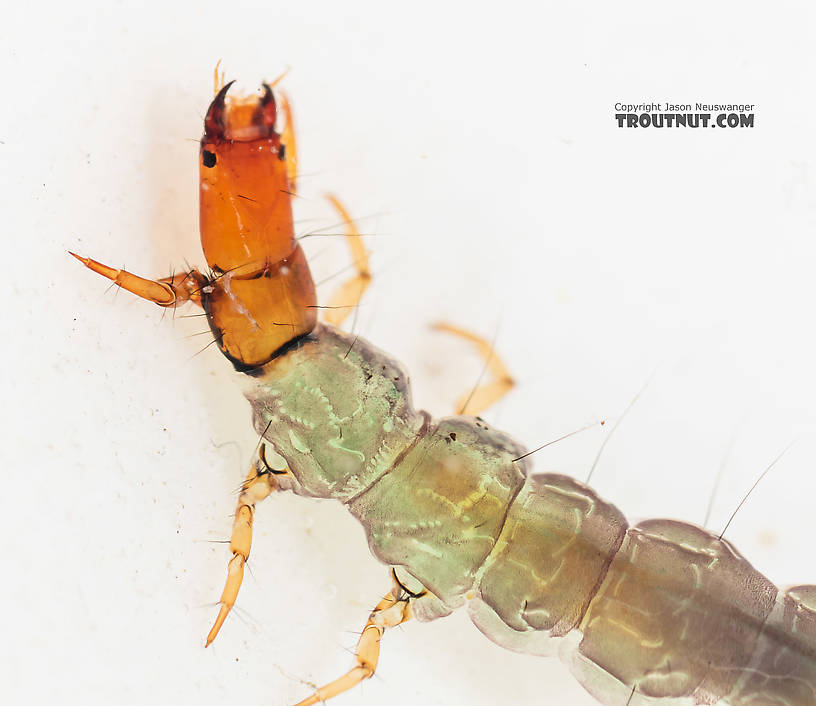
x: 208, y: 158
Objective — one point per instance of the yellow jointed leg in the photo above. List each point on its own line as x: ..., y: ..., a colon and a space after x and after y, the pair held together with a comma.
x: 390, y: 611
x: 259, y: 483
x: 349, y: 294
x: 288, y: 140
x: 487, y: 393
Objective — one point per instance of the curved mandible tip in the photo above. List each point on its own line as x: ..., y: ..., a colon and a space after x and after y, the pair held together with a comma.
x: 214, y: 122
x: 268, y: 108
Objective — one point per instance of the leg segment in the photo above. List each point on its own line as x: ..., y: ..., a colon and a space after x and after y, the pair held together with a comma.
x: 259, y: 483
x: 169, y: 291
x: 484, y: 394
x: 392, y: 610
x: 350, y: 293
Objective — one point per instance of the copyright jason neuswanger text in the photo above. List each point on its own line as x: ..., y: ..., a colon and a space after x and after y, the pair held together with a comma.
x: 693, y: 115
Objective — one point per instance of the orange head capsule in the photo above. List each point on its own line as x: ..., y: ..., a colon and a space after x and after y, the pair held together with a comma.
x: 246, y: 216
x: 261, y: 295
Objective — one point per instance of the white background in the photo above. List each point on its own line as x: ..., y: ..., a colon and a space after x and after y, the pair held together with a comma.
x: 478, y: 147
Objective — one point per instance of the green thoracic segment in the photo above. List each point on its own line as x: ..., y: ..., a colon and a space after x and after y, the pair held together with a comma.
x: 662, y: 612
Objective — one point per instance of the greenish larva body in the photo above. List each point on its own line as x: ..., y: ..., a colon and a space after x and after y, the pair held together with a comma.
x: 662, y: 612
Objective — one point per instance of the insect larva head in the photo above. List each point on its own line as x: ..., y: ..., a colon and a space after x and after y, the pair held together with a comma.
x: 261, y: 295
x: 245, y: 194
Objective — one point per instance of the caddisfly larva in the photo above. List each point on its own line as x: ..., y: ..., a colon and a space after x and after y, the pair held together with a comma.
x: 658, y: 612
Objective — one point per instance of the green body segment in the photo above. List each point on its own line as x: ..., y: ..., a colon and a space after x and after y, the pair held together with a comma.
x: 339, y: 414
x: 440, y: 511
x: 660, y: 613
x: 555, y: 548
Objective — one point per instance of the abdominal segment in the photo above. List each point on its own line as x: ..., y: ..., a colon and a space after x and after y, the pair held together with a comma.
x: 557, y: 543
x: 660, y: 613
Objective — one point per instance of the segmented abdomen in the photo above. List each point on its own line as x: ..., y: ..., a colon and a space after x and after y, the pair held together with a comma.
x: 682, y: 617
x: 662, y: 612
x: 659, y: 613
